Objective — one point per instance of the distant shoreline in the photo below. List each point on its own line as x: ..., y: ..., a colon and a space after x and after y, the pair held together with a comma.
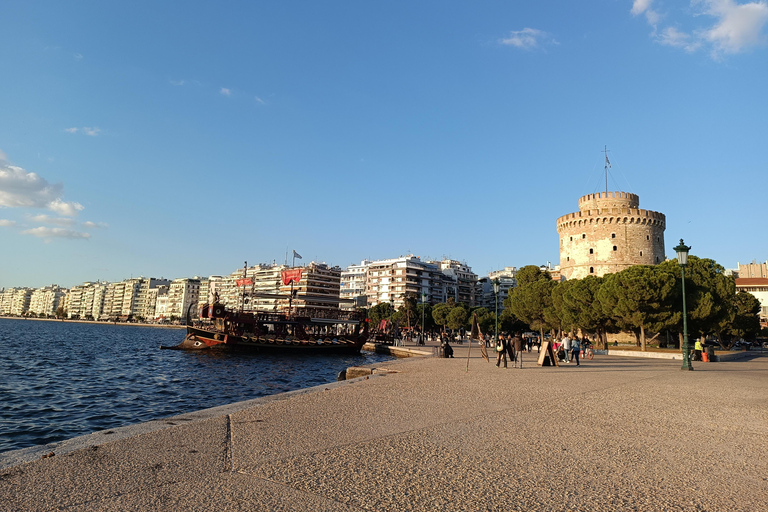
x: 128, y: 324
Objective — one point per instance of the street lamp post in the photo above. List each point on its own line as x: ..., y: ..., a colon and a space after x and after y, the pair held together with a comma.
x: 423, y: 307
x: 682, y: 260
x: 496, y: 294
x: 391, y: 317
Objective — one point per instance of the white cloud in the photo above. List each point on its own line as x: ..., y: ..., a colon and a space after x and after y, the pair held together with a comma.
x: 670, y: 36
x: 94, y: 225
x: 22, y: 189
x: 736, y: 27
x: 78, y: 56
x: 177, y: 83
x: 69, y: 209
x: 528, y: 39
x: 260, y: 101
x: 48, y: 233
x: 6, y: 222
x: 640, y: 6
x: 225, y: 91
x: 47, y: 219
x: 87, y: 130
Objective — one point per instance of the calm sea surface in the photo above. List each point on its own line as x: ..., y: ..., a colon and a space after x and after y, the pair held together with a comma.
x: 60, y: 380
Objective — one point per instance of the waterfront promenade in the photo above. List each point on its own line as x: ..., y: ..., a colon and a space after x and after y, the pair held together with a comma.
x: 617, y: 433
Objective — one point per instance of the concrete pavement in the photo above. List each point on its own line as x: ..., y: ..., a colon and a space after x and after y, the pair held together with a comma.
x: 616, y: 433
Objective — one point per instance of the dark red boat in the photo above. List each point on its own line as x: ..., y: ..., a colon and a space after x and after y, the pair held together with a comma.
x: 218, y: 327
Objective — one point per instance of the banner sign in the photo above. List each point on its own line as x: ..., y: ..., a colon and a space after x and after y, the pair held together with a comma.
x: 244, y: 282
x: 293, y: 275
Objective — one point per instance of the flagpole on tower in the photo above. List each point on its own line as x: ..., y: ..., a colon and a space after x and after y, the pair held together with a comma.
x: 607, y: 165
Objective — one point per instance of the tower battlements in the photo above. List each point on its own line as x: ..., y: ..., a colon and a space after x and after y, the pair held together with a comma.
x: 603, y: 200
x: 609, y: 233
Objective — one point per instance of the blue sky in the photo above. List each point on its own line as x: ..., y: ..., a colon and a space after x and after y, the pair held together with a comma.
x: 171, y: 140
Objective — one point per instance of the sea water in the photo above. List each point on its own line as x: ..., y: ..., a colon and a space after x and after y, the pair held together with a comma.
x: 59, y: 379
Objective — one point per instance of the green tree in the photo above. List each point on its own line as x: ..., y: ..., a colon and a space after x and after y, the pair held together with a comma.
x: 709, y: 295
x: 581, y: 309
x: 440, y: 313
x: 532, y: 298
x: 639, y: 298
x: 529, y: 274
x: 486, y: 320
x: 742, y: 322
x: 379, y: 312
x: 429, y: 321
x: 408, y: 310
x: 458, y: 317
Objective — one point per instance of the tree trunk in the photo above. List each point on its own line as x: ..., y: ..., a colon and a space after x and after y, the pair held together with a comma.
x: 642, y: 338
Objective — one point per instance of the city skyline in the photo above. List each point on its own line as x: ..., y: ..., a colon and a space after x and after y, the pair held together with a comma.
x: 183, y: 143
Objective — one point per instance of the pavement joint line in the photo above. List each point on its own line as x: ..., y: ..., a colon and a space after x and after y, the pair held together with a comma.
x: 229, y: 454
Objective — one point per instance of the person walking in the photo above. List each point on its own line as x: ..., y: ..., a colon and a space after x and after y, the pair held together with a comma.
x: 501, y: 351
x: 575, y: 349
x: 566, y: 347
x: 517, y: 349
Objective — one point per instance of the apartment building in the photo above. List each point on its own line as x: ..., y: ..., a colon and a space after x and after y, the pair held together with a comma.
x: 460, y: 284
x: 317, y: 291
x: 45, y: 301
x: 353, y: 285
x: 183, y: 293
x: 484, y: 288
x: 753, y: 270
x: 15, y: 301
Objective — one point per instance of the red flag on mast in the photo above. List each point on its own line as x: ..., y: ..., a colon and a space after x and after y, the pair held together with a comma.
x: 292, y: 275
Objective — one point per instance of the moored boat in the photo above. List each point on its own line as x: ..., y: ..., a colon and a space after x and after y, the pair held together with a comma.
x: 334, y: 332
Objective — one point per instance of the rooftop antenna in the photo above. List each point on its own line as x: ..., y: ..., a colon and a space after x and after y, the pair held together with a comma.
x: 607, y: 166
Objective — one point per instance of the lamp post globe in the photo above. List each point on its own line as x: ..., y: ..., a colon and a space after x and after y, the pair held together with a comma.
x: 682, y: 260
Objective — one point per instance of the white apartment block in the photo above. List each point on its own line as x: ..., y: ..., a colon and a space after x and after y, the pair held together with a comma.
x: 461, y: 283
x: 316, y: 292
x: 262, y: 289
x: 393, y: 279
x: 21, y: 298
x: 183, y: 294
x: 45, y: 301
x: 6, y: 300
x: 353, y: 284
x: 484, y: 290
x: 15, y: 301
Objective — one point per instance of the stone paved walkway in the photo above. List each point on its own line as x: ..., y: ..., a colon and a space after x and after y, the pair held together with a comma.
x: 613, y: 434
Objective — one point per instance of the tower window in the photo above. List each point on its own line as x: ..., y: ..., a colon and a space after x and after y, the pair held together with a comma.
x: 614, y: 247
x: 641, y: 253
x: 591, y: 270
x: 571, y: 239
x: 613, y: 235
x: 591, y: 251
x: 657, y: 259
x: 647, y: 237
x: 583, y: 235
x: 569, y: 258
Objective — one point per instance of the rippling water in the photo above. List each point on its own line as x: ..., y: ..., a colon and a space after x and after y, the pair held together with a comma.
x: 60, y: 380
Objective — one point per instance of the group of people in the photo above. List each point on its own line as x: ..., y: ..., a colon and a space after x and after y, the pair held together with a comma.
x: 569, y: 348
x: 512, y: 345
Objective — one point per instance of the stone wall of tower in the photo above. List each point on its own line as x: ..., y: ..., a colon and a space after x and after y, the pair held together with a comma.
x: 608, y: 234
